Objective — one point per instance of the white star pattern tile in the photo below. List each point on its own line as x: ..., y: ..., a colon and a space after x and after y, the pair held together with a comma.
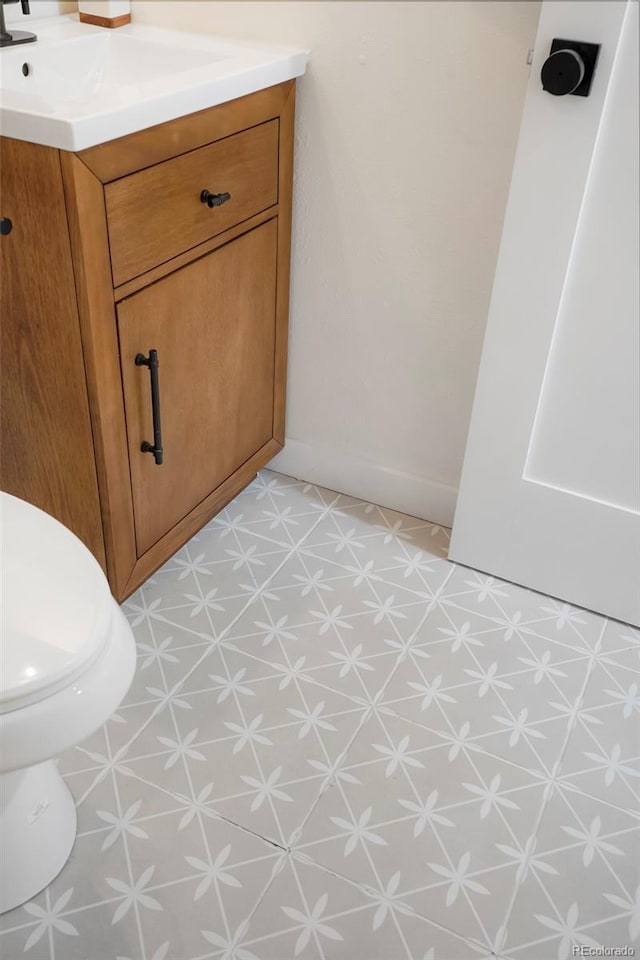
x: 339, y: 745
x: 431, y: 812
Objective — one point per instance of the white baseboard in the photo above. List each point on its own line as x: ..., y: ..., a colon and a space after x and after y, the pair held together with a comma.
x: 350, y: 474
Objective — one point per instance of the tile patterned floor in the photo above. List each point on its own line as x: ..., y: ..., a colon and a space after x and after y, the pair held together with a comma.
x: 339, y: 745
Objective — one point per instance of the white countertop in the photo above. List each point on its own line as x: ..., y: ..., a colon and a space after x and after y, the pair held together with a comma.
x: 86, y: 85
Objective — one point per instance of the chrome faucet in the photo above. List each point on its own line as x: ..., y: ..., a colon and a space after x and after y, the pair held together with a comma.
x: 16, y: 36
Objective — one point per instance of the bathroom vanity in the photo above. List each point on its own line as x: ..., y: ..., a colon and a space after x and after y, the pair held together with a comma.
x: 145, y: 287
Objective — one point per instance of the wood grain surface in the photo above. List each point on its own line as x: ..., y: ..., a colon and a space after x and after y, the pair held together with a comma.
x: 212, y: 324
x: 46, y: 443
x: 216, y: 501
x: 109, y: 22
x: 124, y: 155
x: 88, y: 233
x: 194, y: 253
x: 157, y: 213
x: 285, y: 190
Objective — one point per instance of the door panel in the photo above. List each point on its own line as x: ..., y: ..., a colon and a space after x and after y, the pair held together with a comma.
x: 212, y: 324
x: 550, y: 486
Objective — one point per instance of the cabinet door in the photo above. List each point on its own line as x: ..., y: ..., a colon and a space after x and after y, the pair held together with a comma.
x: 212, y: 324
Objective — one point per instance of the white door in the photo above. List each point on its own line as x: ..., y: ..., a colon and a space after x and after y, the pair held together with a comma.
x: 549, y: 496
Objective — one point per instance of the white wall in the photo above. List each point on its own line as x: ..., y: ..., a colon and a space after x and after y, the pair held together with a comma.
x: 406, y: 129
x: 39, y: 8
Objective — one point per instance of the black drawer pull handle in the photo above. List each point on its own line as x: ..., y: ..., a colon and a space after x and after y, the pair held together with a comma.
x: 214, y: 199
x: 152, y: 362
x: 5, y: 226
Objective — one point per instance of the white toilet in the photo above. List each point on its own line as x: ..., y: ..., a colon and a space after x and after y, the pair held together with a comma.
x: 67, y: 660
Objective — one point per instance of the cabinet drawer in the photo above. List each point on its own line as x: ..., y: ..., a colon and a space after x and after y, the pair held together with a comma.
x: 157, y: 213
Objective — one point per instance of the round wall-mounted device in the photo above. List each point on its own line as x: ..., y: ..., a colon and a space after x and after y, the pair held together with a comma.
x: 562, y: 72
x: 569, y: 68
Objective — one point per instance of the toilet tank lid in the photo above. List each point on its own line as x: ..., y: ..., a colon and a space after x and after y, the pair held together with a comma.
x: 55, y: 603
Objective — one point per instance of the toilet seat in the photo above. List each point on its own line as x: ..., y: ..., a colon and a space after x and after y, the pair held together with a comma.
x: 54, y: 723
x: 56, y: 606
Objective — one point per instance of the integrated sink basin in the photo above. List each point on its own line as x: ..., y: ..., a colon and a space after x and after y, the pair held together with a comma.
x: 81, y: 85
x: 83, y: 67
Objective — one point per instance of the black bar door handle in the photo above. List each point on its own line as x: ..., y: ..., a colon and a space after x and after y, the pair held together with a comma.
x: 156, y: 448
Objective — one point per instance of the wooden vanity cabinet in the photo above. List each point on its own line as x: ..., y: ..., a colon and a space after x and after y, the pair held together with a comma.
x: 113, y: 254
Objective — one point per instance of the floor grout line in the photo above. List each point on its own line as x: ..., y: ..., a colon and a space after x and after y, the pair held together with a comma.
x: 195, y: 666
x: 363, y: 538
x: 548, y: 792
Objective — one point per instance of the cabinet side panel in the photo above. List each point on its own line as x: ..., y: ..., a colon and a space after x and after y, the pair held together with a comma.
x: 92, y: 268
x: 285, y: 187
x: 46, y: 443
